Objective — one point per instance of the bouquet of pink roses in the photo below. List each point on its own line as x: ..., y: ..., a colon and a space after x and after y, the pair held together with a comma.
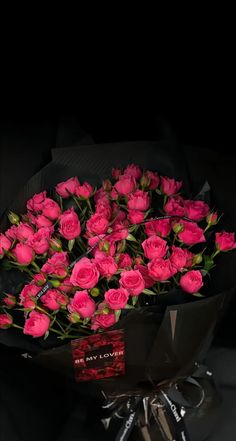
x: 90, y: 253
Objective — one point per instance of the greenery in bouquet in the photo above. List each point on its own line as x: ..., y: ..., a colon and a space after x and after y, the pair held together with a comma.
x: 89, y: 253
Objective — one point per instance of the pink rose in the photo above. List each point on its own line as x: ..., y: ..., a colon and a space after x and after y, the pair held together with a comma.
x: 116, y: 173
x: 103, y: 208
x: 170, y: 186
x: 189, y: 258
x: 24, y: 232
x: 154, y: 246
x: 160, y: 227
x: 124, y: 260
x: 117, y: 298
x: 11, y: 232
x: 40, y: 240
x: 94, y: 240
x: 66, y: 286
x: 225, y: 241
x: 67, y: 188
x: 84, y: 191
x: 97, y: 224
x: 85, y: 274
x: 125, y: 185
x: 69, y: 224
x: 5, y: 321
x: 82, y: 304
x: 118, y: 214
x: 36, y: 202
x: 101, y: 195
x: 139, y: 200
x: 132, y: 281
x: 120, y: 231
x: 37, y: 324
x: 51, y: 209
x: 153, y: 179
x: 135, y: 217
x: 178, y: 258
x: 160, y: 269
x: 106, y: 266
x: 196, y: 210
x: 191, y: 282
x: 191, y: 234
x: 39, y: 279
x: 5, y: 243
x: 57, y: 265
x: 28, y: 294
x: 23, y: 254
x: 133, y: 170
x: 103, y: 321
x: 42, y: 221
x: 146, y: 277
x: 54, y: 299
x: 175, y: 206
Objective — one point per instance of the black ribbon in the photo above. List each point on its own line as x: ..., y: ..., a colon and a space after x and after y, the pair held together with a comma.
x: 162, y: 410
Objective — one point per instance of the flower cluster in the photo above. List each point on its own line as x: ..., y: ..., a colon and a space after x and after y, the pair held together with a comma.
x: 89, y: 253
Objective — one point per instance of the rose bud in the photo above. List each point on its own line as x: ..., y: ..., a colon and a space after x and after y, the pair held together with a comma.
x: 39, y: 279
x: 5, y: 321
x: 82, y: 304
x: 116, y: 173
x: 145, y: 181
x: 55, y: 244
x: 121, y: 246
x: 103, y: 321
x: 74, y: 318
x: 177, y: 228
x: 197, y: 259
x: 107, y: 185
x: 95, y: 292
x: 5, y: 243
x: 84, y: 191
x: 117, y: 298
x: 67, y: 188
x: 212, y: 219
x: 13, y: 218
x: 9, y: 301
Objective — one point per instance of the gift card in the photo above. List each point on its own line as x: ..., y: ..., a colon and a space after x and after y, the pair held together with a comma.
x: 99, y: 356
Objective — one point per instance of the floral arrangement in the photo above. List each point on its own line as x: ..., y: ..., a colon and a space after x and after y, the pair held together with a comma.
x: 90, y: 253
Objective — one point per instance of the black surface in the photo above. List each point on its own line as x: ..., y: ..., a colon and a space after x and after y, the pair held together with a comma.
x: 33, y: 403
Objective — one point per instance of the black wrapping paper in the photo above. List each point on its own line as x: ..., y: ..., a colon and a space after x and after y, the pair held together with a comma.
x: 179, y: 334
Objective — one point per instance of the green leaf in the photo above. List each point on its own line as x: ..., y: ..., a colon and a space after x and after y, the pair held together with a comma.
x: 117, y: 314
x: 85, y: 321
x: 134, y: 300
x: 158, y: 191
x: 149, y: 292
x: 71, y: 244
x: 46, y: 335
x: 198, y: 294
x: 208, y: 263
x: 129, y: 306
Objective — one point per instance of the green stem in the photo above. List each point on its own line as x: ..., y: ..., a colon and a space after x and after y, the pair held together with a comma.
x: 77, y: 203
x: 57, y: 332
x: 89, y: 205
x: 215, y: 254
x: 17, y: 326
x: 35, y: 266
